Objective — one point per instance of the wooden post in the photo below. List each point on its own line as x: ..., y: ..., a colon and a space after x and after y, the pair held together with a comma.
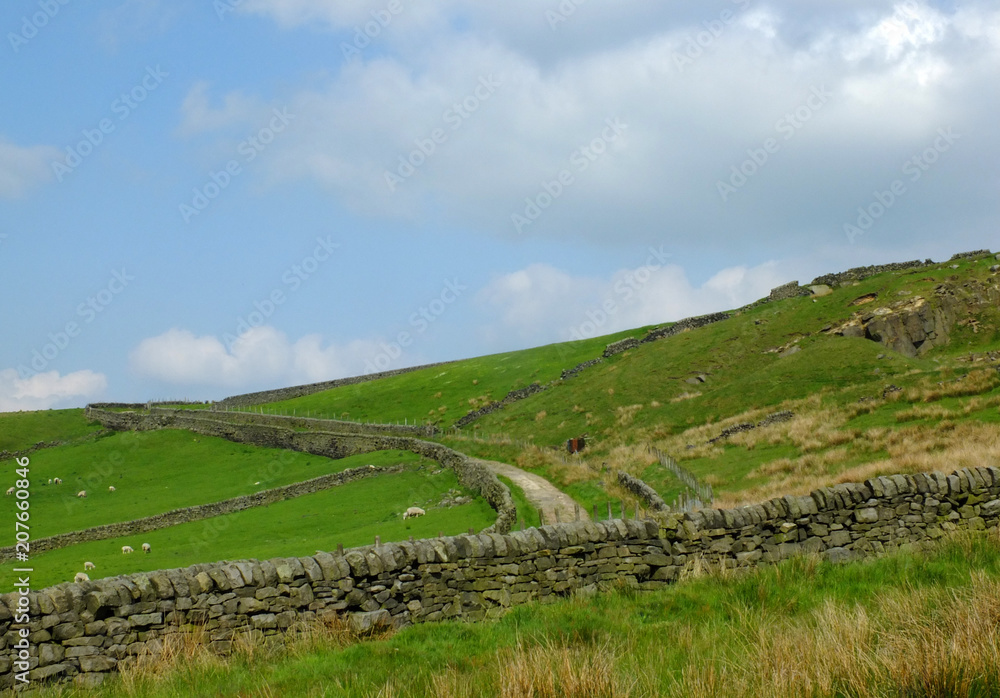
x: 610, y: 515
x: 576, y: 511
x: 621, y: 505
x: 541, y: 517
x: 556, y: 511
x: 378, y: 541
x: 411, y: 539
x: 595, y: 514
x: 472, y: 531
x: 522, y: 523
x: 637, y: 509
x: 440, y: 534
x: 340, y: 548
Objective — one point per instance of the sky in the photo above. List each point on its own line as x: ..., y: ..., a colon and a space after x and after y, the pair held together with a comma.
x: 199, y: 199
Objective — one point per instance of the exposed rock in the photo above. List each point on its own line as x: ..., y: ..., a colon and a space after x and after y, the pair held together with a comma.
x: 820, y: 290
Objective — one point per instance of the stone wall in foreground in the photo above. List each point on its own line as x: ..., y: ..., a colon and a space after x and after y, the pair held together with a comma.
x: 81, y: 631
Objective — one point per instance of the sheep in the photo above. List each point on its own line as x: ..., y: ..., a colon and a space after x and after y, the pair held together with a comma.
x: 146, y: 547
x: 81, y: 578
x: 57, y: 481
x: 82, y: 494
x: 50, y: 481
x: 413, y: 512
x: 126, y: 549
x: 10, y: 491
x: 89, y: 565
x: 111, y: 488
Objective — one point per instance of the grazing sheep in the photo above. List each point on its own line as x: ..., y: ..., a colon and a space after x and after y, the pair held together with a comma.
x: 10, y: 491
x: 146, y: 547
x: 50, y: 481
x: 89, y: 565
x: 56, y: 481
x: 413, y: 512
x: 81, y: 493
x: 126, y: 549
x: 80, y: 578
x: 111, y: 488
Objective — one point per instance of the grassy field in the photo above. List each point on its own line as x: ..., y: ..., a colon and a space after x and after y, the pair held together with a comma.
x: 441, y: 395
x: 350, y: 515
x: 22, y: 430
x: 901, y: 626
x: 158, y: 471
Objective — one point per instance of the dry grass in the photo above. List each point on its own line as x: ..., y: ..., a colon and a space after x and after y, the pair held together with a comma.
x: 919, y: 643
x: 560, y: 472
x: 943, y: 447
x: 541, y: 415
x: 975, y: 382
x: 626, y: 415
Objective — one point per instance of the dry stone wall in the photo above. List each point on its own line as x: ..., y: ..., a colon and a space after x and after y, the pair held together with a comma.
x: 301, y: 390
x: 203, y: 511
x: 470, y: 474
x: 81, y: 631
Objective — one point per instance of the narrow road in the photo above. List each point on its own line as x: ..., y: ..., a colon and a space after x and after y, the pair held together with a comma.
x: 545, y: 497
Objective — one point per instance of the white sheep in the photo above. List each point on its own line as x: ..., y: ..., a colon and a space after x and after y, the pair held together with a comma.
x: 81, y: 494
x: 146, y: 547
x: 56, y: 481
x: 111, y: 488
x: 89, y: 565
x: 80, y: 578
x: 413, y: 512
x: 126, y: 549
x: 50, y: 481
x: 10, y: 491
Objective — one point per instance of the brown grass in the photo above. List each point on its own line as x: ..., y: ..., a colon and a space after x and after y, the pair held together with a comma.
x: 976, y: 382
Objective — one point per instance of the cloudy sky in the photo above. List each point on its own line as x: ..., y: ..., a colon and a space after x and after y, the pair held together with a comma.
x: 205, y: 198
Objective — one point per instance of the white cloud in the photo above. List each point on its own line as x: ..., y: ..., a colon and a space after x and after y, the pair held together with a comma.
x: 541, y: 304
x: 892, y: 80
x: 21, y: 168
x: 198, y: 115
x: 48, y: 390
x: 263, y: 357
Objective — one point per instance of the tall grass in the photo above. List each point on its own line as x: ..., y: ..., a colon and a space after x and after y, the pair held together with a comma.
x: 898, y: 627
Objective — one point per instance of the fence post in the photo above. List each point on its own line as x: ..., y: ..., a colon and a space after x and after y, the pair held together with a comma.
x: 595, y: 514
x: 621, y: 505
x: 378, y: 541
x: 610, y: 516
x: 576, y: 511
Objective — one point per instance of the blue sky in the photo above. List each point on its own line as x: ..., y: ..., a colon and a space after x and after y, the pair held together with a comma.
x: 199, y: 199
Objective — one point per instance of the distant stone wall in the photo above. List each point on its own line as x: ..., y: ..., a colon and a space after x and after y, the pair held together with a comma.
x: 619, y: 347
x: 860, y: 273
x: 789, y: 290
x: 512, y: 396
x: 471, y: 474
x: 640, y: 489
x: 202, y: 511
x: 301, y: 390
x: 314, y: 423
x: 81, y: 631
x: 688, y: 323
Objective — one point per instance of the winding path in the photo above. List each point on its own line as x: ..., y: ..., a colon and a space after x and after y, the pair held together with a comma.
x: 545, y: 496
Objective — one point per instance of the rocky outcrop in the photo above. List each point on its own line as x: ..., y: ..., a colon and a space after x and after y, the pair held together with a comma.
x: 915, y: 325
